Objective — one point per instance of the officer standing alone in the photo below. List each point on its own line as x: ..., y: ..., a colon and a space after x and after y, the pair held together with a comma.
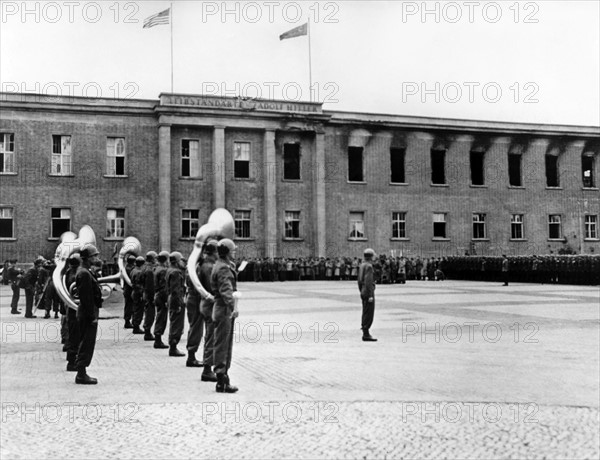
x: 366, y: 286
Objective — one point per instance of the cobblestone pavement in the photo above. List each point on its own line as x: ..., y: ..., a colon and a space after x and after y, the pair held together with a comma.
x: 461, y: 370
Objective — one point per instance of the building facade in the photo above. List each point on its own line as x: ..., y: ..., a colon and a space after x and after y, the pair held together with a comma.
x: 299, y: 180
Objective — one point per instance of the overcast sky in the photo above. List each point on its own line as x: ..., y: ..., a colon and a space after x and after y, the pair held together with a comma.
x: 532, y: 62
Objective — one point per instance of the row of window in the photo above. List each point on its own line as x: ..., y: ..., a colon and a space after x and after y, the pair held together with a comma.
x: 190, y: 162
x: 190, y: 223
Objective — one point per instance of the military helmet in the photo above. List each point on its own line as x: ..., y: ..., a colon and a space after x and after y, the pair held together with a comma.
x: 175, y: 257
x: 163, y: 256
x: 88, y: 250
x: 226, y: 246
x: 139, y: 261
x: 151, y: 256
x: 369, y: 252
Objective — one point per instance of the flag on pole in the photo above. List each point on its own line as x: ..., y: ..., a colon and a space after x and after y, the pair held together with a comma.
x: 295, y: 32
x: 157, y: 19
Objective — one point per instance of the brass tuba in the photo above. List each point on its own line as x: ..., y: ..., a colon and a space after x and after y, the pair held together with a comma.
x: 220, y: 225
x: 68, y: 245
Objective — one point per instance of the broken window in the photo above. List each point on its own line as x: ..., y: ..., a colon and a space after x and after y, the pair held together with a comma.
x: 477, y: 173
x: 241, y: 160
x: 552, y: 171
x: 438, y: 173
x: 587, y: 166
x: 514, y: 170
x: 397, y: 165
x: 291, y: 161
x: 355, y: 164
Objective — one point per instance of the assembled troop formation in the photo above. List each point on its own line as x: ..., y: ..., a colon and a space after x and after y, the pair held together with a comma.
x: 564, y: 269
x: 160, y: 292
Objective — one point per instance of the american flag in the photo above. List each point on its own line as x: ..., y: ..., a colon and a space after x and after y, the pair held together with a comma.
x: 157, y: 19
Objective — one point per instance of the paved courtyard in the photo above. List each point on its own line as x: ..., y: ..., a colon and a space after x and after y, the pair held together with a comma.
x: 461, y: 370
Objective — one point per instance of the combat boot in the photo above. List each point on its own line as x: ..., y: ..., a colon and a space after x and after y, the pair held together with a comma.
x: 84, y: 379
x: 208, y: 375
x: 158, y: 343
x: 173, y: 351
x: 128, y: 325
x: 192, y: 361
x: 71, y: 367
x: 223, y: 385
x: 148, y: 337
x: 137, y: 330
x: 368, y: 337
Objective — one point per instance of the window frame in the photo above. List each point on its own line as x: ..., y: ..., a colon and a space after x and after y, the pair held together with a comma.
x: 52, y: 219
x: 236, y: 219
x: 514, y: 225
x: 190, y: 159
x: 111, y: 157
x: 401, y: 221
x: 479, y: 224
x: 8, y: 156
x: 445, y: 222
x: 352, y: 229
x: 592, y: 234
x: 59, y: 159
x: 432, y: 153
x: 235, y: 176
x: 297, y: 221
x: 117, y: 219
x: 560, y: 230
x: 192, y: 234
x: 482, y: 155
x: 520, y: 157
x: 12, y: 219
x: 592, y: 179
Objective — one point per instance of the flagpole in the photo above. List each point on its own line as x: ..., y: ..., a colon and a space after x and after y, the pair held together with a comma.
x: 309, y: 65
x: 171, y: 46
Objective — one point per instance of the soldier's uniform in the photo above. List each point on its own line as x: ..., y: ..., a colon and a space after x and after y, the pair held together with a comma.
x: 29, y: 281
x: 72, y: 342
x: 161, y: 295
x: 206, y: 309
x: 196, y: 321
x: 148, y: 295
x: 137, y: 286
x: 224, y: 283
x: 128, y: 293
x: 90, y: 301
x: 13, y: 279
x: 366, y: 286
x: 175, y: 280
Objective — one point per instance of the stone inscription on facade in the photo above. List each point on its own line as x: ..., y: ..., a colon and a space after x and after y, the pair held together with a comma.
x: 242, y: 104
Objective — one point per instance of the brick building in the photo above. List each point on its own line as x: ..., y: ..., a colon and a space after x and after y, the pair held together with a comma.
x: 298, y: 179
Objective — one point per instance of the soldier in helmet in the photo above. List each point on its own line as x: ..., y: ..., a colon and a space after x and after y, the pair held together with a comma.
x: 137, y: 285
x: 128, y: 293
x: 72, y: 343
x: 223, y: 281
x: 366, y: 286
x: 175, y: 280
x: 148, y: 294
x: 206, y: 310
x: 161, y: 295
x: 90, y: 300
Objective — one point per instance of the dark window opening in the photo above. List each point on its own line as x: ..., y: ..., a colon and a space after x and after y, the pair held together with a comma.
x: 185, y: 158
x: 291, y: 161
x: 514, y: 170
x: 552, y: 171
x: 438, y: 173
x: 355, y: 164
x: 242, y: 169
x: 61, y: 221
x: 587, y: 166
x: 56, y: 144
x: 397, y: 157
x: 477, y: 172
x: 120, y: 166
x: 6, y: 227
